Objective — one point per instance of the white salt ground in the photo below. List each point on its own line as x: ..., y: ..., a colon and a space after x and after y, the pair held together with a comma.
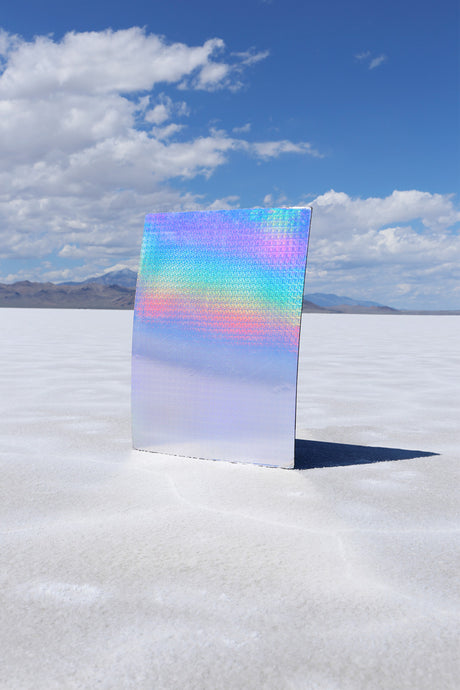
x: 123, y: 569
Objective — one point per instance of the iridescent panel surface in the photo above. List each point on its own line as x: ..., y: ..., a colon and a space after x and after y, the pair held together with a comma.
x: 216, y: 334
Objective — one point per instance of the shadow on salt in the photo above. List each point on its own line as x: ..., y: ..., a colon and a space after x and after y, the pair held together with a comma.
x: 315, y: 454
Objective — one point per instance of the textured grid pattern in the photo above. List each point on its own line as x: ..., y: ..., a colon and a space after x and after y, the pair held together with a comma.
x: 216, y: 332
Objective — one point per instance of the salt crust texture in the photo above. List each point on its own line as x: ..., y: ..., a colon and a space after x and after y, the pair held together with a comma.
x: 125, y: 569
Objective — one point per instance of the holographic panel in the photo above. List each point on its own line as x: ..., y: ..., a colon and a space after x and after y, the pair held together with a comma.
x: 216, y: 334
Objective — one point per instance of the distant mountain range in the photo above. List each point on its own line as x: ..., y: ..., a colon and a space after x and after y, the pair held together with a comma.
x: 112, y: 290
x: 329, y: 300
x: 79, y: 296
x: 116, y: 290
x: 123, y: 278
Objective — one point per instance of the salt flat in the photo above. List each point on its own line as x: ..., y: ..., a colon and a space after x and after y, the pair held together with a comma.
x: 123, y: 569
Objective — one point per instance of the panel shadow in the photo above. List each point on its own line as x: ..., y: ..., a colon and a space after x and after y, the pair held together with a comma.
x: 315, y: 454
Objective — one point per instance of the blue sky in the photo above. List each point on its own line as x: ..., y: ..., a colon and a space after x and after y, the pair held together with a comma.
x: 352, y: 108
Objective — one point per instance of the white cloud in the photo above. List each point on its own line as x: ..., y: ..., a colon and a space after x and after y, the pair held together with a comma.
x: 268, y: 200
x: 272, y: 149
x: 372, y: 62
x: 226, y: 202
x: 252, y: 57
x: 436, y: 211
x: 102, y: 62
x: 244, y: 129
x: 212, y: 76
x: 159, y: 114
x: 87, y: 144
x: 276, y: 200
x: 7, y: 42
x: 163, y: 109
x: 72, y: 251
x: 166, y: 132
x: 375, y: 62
x: 403, y: 249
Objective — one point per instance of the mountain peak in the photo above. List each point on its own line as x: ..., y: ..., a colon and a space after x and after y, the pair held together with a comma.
x: 124, y: 277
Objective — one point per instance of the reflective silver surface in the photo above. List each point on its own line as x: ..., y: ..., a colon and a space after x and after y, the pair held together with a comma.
x: 216, y: 334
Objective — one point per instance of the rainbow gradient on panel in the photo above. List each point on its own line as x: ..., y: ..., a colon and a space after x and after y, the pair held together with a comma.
x: 218, y: 304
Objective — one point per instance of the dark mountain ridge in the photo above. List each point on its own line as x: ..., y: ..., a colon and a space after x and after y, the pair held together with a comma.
x: 51, y: 296
x: 116, y: 290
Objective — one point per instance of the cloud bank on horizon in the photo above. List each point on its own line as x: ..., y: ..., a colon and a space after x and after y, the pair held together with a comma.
x: 96, y: 130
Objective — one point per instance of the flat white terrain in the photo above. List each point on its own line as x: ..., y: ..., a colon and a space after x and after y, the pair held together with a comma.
x: 124, y: 569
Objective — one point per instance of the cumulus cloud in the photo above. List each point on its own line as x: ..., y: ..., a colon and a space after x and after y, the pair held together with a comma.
x: 436, y: 211
x: 101, y: 62
x: 90, y: 140
x: 403, y: 249
x: 7, y: 42
x: 212, y: 76
x: 166, y: 132
x: 158, y: 114
x: 163, y: 109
